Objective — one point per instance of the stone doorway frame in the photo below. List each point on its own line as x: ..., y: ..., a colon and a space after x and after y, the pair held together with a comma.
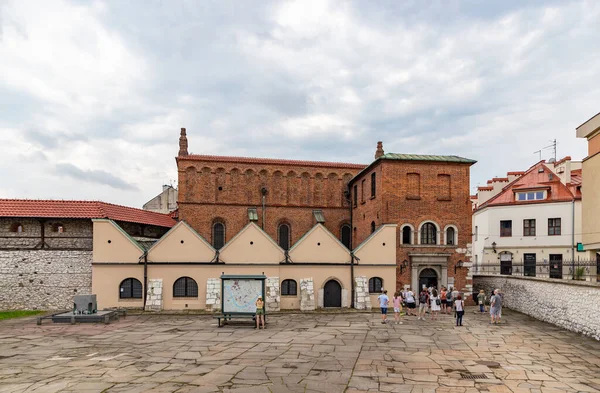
x: 421, y: 261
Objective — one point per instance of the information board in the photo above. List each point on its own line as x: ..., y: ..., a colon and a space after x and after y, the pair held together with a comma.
x: 240, y: 295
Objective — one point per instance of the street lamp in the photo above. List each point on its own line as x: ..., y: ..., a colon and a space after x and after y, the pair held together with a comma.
x: 458, y: 264
x: 403, y: 266
x: 494, y: 247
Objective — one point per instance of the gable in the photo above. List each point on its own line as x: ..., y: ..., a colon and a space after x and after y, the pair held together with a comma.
x: 319, y: 245
x: 251, y: 245
x: 112, y: 244
x: 379, y: 248
x: 181, y: 244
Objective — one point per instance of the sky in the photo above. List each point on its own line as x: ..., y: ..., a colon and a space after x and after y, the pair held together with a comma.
x: 93, y: 93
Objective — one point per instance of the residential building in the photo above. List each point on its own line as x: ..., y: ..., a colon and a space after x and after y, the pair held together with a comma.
x: 165, y: 202
x: 531, y: 220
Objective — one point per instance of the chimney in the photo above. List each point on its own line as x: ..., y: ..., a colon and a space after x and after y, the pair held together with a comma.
x: 379, y: 151
x: 183, y: 144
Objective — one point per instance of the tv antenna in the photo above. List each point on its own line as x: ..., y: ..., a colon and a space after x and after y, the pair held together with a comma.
x: 552, y: 146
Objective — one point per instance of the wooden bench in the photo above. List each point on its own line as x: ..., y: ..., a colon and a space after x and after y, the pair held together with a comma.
x: 228, y: 317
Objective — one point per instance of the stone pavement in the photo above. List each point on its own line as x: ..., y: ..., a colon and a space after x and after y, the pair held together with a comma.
x: 350, y: 352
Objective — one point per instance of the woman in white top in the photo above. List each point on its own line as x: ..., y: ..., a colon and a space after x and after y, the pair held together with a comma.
x: 436, y: 303
x: 459, y: 306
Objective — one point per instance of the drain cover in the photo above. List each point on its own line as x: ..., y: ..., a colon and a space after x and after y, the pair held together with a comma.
x: 473, y: 376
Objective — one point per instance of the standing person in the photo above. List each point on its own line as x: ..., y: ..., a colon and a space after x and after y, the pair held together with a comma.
x: 423, y: 302
x: 260, y: 313
x: 481, y: 301
x: 436, y: 303
x: 459, y: 305
x: 411, y: 304
x: 443, y: 299
x: 397, y: 307
x: 495, y: 307
x: 449, y: 302
x: 384, y: 300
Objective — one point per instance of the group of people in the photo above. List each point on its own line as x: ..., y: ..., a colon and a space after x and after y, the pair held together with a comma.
x: 445, y: 301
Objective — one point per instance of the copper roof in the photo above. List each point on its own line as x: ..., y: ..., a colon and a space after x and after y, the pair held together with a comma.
x: 36, y: 208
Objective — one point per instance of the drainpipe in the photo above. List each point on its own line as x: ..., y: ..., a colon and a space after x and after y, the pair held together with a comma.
x: 352, y: 289
x: 573, y: 236
x: 145, y: 256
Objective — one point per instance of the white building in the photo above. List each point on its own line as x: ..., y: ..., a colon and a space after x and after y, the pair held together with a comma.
x: 165, y: 202
x: 527, y: 219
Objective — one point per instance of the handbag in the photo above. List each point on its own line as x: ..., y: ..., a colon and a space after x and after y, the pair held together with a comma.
x: 438, y: 301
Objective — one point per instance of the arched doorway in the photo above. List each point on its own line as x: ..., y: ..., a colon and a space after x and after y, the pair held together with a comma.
x: 428, y: 278
x: 332, y: 296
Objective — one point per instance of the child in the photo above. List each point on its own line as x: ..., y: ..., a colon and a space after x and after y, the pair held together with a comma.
x: 397, y: 307
x: 260, y: 313
x: 384, y: 300
x: 459, y: 306
x: 481, y: 300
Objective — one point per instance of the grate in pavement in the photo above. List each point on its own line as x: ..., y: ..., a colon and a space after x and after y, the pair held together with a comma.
x: 473, y: 376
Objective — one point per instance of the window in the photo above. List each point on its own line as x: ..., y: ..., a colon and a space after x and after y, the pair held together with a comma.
x: 289, y: 288
x: 218, y: 235
x: 450, y: 233
x: 506, y: 228
x: 530, y: 196
x: 362, y: 191
x: 130, y: 288
x: 528, y: 227
x: 476, y: 233
x: 554, y: 226
x: 372, y: 226
x: 60, y: 228
x: 373, y: 184
x: 16, y: 227
x: 355, y: 195
x: 406, y: 235
x: 185, y: 287
x: 284, y: 236
x: 346, y: 236
x: 375, y: 285
x: 428, y: 234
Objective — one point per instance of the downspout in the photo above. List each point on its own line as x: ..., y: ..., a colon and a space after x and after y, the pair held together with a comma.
x: 352, y: 289
x: 145, y: 256
x: 573, y: 236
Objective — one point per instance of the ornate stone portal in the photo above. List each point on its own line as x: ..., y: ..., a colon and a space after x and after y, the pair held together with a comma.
x: 435, y: 261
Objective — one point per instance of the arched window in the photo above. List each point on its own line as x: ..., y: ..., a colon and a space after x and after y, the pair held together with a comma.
x: 283, y: 232
x: 375, y: 285
x: 185, y: 287
x: 407, y: 235
x: 218, y: 235
x: 289, y: 288
x: 450, y: 234
x: 130, y: 288
x: 16, y: 227
x: 346, y: 236
x: 428, y: 234
x: 372, y: 226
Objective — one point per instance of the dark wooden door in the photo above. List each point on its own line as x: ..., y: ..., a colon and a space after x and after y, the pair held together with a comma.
x: 333, y: 294
x: 428, y: 278
x: 556, y: 266
x: 529, y: 265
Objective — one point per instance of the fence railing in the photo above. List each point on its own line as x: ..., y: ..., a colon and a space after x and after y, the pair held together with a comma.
x: 581, y: 270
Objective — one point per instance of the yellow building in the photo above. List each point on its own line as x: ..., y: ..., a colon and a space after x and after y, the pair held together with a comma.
x: 591, y: 190
x: 182, y: 270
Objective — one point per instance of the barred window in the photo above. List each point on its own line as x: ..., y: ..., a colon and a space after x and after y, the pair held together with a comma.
x: 428, y: 234
x: 289, y: 288
x: 284, y: 236
x: 185, y: 287
x: 130, y: 288
x: 218, y: 235
x: 375, y: 285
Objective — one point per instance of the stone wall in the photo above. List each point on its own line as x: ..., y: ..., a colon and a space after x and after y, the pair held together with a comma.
x: 43, y: 279
x: 213, y: 294
x: 76, y: 233
x: 307, y: 295
x: 362, y: 299
x: 273, y: 297
x: 569, y: 304
x: 154, y: 298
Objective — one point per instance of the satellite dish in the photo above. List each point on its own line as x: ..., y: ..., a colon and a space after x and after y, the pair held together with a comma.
x: 551, y: 160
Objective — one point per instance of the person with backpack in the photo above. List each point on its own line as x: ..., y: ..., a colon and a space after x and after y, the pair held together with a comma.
x: 443, y: 300
x: 423, y: 303
x: 436, y: 304
x: 411, y: 304
x: 449, y: 301
x: 459, y: 306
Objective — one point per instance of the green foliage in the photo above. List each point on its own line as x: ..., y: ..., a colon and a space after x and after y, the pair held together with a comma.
x: 18, y: 314
x: 579, y: 272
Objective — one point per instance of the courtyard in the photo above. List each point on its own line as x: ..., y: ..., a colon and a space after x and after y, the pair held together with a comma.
x: 317, y: 352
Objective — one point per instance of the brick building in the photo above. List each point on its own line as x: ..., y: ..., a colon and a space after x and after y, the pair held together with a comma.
x: 427, y: 197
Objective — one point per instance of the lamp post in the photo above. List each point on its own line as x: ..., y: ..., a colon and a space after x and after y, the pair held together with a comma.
x: 494, y: 247
x: 460, y: 264
x: 403, y: 266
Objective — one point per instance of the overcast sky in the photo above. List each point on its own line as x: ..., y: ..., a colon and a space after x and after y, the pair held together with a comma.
x: 93, y: 94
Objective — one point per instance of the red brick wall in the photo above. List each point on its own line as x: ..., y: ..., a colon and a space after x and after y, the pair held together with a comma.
x: 211, y: 190
x: 395, y: 203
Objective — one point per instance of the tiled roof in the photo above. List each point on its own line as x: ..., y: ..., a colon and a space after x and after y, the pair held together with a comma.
x: 516, y: 173
x: 81, y: 209
x: 500, y: 179
x: 532, y: 179
x: 424, y: 157
x: 271, y: 161
x: 485, y: 188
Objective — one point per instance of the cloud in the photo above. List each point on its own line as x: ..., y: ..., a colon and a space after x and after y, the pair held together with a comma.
x: 94, y: 176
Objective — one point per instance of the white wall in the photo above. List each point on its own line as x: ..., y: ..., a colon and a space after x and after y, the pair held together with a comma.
x: 486, y: 229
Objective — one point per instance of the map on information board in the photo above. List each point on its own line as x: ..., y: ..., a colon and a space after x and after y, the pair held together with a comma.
x: 240, y: 295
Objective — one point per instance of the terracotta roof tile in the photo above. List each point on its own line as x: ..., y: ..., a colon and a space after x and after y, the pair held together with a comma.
x: 271, y: 161
x: 81, y: 209
x: 517, y: 173
x: 485, y: 188
x: 500, y: 179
